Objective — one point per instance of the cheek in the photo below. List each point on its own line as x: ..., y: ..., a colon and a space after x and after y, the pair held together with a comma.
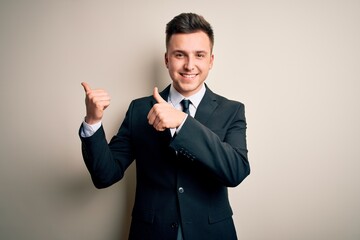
x: 205, y: 67
x: 174, y: 65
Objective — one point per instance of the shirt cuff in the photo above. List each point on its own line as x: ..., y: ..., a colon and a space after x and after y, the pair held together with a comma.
x: 88, y: 130
x: 178, y: 128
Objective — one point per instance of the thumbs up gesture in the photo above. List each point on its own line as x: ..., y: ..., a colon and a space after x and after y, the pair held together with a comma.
x: 162, y: 115
x: 157, y: 96
x: 96, y: 101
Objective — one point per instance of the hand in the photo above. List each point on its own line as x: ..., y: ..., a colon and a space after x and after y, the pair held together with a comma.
x: 162, y: 115
x: 96, y: 101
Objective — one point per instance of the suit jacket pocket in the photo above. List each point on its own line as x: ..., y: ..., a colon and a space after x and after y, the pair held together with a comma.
x: 220, y: 215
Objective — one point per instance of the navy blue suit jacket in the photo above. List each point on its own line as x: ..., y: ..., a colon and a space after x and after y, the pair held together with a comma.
x: 181, y: 180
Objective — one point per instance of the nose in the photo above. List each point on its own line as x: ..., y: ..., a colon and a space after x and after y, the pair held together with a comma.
x: 189, y: 64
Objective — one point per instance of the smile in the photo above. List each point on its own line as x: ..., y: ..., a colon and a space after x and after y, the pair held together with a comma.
x: 188, y: 75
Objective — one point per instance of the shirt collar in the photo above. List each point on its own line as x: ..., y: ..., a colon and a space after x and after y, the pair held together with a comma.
x: 175, y: 97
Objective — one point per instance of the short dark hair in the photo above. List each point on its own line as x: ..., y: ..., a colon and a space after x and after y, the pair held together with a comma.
x: 189, y: 23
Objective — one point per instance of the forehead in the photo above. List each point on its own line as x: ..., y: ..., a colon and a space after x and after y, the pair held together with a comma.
x: 197, y: 41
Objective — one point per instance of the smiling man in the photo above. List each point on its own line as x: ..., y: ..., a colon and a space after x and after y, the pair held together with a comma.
x: 189, y: 59
x: 188, y: 142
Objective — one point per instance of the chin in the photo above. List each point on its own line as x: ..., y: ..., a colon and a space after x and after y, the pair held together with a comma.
x: 188, y: 90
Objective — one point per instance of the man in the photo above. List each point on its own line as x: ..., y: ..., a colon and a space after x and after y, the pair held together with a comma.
x: 184, y: 160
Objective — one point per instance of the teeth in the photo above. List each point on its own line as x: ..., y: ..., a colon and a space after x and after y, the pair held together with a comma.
x: 189, y: 75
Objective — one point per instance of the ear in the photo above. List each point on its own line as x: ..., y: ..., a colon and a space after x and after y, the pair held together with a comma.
x: 166, y: 60
x: 211, y: 61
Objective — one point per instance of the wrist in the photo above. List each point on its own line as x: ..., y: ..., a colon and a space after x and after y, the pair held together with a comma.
x: 91, y: 121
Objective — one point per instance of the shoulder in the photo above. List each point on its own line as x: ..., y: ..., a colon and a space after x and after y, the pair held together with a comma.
x: 222, y: 100
x: 142, y: 103
x: 143, y: 99
x: 150, y: 99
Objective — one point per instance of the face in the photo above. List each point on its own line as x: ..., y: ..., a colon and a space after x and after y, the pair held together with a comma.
x: 189, y: 59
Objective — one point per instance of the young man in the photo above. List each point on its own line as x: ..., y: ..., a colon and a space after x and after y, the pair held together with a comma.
x: 184, y: 160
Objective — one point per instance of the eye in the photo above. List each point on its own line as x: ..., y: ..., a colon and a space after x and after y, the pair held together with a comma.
x: 179, y: 55
x: 201, y: 55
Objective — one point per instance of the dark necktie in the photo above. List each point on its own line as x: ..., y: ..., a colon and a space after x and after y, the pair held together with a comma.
x: 185, y: 105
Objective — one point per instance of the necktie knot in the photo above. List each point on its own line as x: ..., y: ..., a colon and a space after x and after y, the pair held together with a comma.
x: 185, y: 105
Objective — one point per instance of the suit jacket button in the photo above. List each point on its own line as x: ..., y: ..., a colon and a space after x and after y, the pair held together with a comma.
x: 181, y: 190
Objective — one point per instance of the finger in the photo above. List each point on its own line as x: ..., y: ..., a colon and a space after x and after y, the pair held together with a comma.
x: 157, y: 96
x: 150, y: 116
x: 158, y: 125
x: 86, y: 87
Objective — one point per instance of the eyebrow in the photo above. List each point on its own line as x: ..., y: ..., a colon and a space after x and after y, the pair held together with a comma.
x: 185, y: 52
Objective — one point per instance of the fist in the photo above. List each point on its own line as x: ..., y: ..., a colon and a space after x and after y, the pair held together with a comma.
x: 96, y: 101
x: 163, y: 115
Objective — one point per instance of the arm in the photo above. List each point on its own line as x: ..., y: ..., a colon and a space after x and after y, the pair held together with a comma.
x: 220, y: 146
x: 106, y: 163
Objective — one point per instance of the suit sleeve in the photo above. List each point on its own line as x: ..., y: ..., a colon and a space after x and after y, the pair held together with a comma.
x: 108, y: 162
x: 220, y: 148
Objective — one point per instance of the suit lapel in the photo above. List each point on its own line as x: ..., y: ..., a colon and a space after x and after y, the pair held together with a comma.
x: 206, y: 107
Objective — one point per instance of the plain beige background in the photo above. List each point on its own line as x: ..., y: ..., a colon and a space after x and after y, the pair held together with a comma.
x: 294, y: 64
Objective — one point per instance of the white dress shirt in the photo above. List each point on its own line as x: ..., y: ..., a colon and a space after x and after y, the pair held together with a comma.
x: 175, y: 99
